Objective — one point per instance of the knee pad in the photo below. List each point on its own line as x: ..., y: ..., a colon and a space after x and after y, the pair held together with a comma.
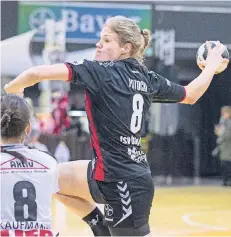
x: 130, y: 231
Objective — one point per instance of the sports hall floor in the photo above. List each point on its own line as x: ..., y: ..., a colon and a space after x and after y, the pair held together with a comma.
x: 176, y: 211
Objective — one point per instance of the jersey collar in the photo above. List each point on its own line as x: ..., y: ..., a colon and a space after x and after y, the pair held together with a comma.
x: 131, y: 60
x: 13, y: 146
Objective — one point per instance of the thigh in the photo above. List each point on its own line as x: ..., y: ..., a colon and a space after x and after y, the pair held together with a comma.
x: 73, y: 180
x: 80, y: 206
x: 128, y: 203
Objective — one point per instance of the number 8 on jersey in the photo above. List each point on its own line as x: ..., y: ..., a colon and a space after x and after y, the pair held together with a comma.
x: 137, y: 106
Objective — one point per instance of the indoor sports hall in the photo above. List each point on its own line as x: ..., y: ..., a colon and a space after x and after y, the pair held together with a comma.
x: 185, y: 146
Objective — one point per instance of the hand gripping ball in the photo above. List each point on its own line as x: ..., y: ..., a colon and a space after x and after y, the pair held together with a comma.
x: 202, y: 53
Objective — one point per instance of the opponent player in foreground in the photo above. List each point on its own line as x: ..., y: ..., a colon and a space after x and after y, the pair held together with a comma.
x: 26, y: 194
x: 119, y: 92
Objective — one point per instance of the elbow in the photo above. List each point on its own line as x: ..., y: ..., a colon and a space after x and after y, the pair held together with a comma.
x: 190, y: 98
x: 192, y: 101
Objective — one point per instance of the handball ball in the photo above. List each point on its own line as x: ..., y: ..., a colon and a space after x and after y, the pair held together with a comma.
x: 202, y: 53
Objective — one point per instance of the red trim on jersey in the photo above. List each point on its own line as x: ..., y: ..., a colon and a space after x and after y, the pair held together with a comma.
x: 99, y: 169
x: 184, y: 95
x: 69, y: 72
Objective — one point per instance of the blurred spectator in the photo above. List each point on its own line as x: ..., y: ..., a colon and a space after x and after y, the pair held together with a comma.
x: 78, y: 117
x: 145, y: 134
x: 164, y: 124
x: 62, y: 153
x: 77, y: 106
x: 60, y: 106
x: 223, y: 132
x: 46, y: 123
x: 33, y: 140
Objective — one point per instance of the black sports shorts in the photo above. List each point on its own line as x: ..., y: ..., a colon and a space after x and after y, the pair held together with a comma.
x: 127, y: 203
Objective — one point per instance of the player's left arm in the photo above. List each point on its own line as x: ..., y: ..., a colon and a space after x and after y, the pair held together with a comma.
x: 165, y: 91
x: 169, y: 92
x: 35, y: 75
x: 195, y: 89
x: 198, y: 86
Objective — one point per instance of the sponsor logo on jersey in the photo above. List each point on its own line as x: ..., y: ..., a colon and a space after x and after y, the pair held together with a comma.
x: 35, y: 232
x: 132, y: 140
x: 168, y: 82
x: 78, y: 62
x: 135, y: 71
x: 108, y: 210
x: 16, y: 164
x: 94, y: 221
x: 106, y: 64
x: 137, y: 155
x: 125, y: 201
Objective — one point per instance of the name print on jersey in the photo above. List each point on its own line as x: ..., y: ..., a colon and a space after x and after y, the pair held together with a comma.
x: 25, y: 225
x: 138, y: 85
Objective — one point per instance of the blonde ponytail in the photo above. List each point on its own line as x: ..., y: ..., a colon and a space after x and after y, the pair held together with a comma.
x: 129, y: 31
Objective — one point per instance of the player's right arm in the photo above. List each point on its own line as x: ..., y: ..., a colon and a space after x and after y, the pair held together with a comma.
x: 90, y: 73
x: 37, y: 74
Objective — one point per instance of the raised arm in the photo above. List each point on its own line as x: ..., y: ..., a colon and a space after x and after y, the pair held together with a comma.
x: 36, y: 74
x: 196, y: 88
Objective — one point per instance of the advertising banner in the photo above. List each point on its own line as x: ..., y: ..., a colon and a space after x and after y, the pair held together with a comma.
x: 84, y: 21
